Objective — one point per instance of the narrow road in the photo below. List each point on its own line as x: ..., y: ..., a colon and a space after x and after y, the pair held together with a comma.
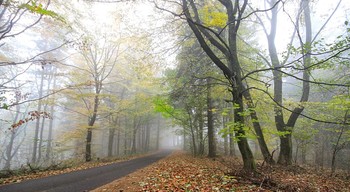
x: 84, y: 180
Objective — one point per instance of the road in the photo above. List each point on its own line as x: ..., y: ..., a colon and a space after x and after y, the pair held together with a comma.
x: 84, y: 180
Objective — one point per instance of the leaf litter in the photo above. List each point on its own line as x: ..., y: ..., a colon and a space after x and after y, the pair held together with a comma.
x: 182, y: 172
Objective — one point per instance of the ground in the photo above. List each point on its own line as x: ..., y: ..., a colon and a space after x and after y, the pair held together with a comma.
x: 182, y: 172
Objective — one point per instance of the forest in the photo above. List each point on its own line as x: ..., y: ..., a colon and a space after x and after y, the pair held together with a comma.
x: 263, y: 81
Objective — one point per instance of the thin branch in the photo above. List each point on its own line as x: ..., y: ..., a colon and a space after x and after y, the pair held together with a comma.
x: 33, y: 59
x: 301, y: 114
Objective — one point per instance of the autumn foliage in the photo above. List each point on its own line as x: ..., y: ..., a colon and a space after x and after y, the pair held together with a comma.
x: 32, y: 115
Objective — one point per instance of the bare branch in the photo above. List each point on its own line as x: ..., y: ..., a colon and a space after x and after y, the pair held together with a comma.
x: 292, y: 111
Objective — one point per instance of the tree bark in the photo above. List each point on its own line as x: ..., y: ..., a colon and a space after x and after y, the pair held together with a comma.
x: 211, y: 128
x: 9, y: 147
x: 201, y: 131
x: 258, y: 130
x: 91, y: 123
x: 111, y: 132
x: 232, y: 70
x: 133, y: 147
x: 37, y: 125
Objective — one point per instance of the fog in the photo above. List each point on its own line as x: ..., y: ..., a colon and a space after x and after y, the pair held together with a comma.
x: 87, y: 80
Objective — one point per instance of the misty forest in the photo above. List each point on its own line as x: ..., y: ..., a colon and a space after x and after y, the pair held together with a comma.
x: 256, y: 92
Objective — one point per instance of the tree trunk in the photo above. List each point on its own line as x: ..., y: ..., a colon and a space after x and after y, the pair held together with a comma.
x: 49, y: 137
x: 91, y: 123
x: 194, y: 145
x: 257, y: 128
x: 111, y: 132
x: 231, y: 134
x: 211, y: 128
x: 52, y: 111
x: 133, y: 147
x: 303, y: 155
x: 286, y: 156
x: 125, y: 139
x: 232, y: 70
x: 88, y: 145
x: 319, y: 149
x: 41, y: 135
x: 9, y: 147
x: 134, y: 136
x: 226, y: 138
x: 118, y: 142
x: 37, y: 125
x: 148, y: 137
x: 158, y: 132
x: 247, y: 155
x: 201, y: 131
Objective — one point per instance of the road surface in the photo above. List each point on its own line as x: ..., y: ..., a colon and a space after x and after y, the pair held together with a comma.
x: 84, y: 180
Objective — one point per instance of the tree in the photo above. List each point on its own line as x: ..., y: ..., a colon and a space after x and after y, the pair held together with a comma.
x: 285, y: 67
x: 232, y: 69
x: 100, y: 58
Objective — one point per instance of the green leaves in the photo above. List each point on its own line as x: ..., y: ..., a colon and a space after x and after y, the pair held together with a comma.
x: 35, y: 8
x: 4, y: 106
x: 163, y: 107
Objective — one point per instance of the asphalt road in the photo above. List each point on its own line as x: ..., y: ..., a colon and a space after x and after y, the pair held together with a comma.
x: 84, y: 180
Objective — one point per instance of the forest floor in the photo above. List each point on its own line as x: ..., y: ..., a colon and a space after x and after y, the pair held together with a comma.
x: 182, y: 172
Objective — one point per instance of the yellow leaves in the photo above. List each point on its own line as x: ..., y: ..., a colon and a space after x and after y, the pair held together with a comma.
x: 213, y: 18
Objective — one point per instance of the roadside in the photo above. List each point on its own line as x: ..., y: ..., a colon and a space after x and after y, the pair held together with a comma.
x: 182, y: 172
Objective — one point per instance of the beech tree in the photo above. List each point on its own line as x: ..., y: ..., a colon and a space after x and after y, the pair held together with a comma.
x: 230, y: 66
x: 286, y: 66
x: 99, y: 60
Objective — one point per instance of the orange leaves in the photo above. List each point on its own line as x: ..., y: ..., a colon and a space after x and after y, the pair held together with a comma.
x: 183, y: 172
x: 32, y: 115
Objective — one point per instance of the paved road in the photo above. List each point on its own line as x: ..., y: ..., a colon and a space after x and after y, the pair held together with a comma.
x: 84, y: 180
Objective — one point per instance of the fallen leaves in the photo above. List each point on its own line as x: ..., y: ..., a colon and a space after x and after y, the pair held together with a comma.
x: 183, y: 172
